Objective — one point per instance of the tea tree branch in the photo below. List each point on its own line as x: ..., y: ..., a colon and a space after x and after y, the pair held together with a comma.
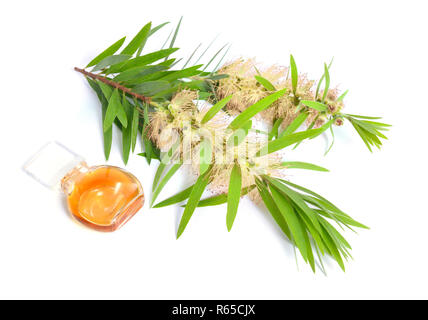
x: 113, y: 84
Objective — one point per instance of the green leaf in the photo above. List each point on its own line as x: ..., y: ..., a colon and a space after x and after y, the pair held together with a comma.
x: 107, y: 135
x: 151, y: 32
x: 182, y: 74
x: 297, y: 122
x: 148, y: 147
x: 239, y: 135
x: 194, y: 197
x: 332, y: 141
x: 126, y: 132
x: 137, y: 41
x: 234, y: 195
x: 141, y: 61
x: 327, y: 82
x: 121, y: 115
x: 323, y: 128
x: 134, y: 127
x: 265, y: 83
x: 110, y: 60
x: 251, y: 111
x: 302, y: 165
x: 205, y: 155
x: 107, y: 52
x: 175, y: 35
x: 292, y: 220
x: 138, y: 72
x: 274, y: 132
x: 294, y: 75
x: 286, y: 141
x: 215, y: 55
x: 333, y: 249
x: 112, y: 109
x: 342, y: 96
x: 311, y: 259
x: 205, y: 51
x: 151, y: 88
x: 297, y: 199
x: 220, y: 61
x: 362, y: 117
x: 314, y: 105
x: 181, y: 196
x: 321, y: 80
x: 164, y: 181
x: 221, y: 198
x: 273, y: 209
x: 106, y: 89
x: 191, y: 56
x: 215, y: 109
x: 158, y: 174
x: 327, y: 205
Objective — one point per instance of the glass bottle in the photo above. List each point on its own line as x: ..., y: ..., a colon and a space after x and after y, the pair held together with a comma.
x: 102, y: 197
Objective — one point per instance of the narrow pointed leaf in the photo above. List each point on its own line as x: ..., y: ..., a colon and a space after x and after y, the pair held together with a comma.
x: 164, y: 181
x: 205, y: 155
x: 134, y: 128
x: 182, y: 74
x: 294, y: 75
x: 322, y: 78
x: 110, y: 60
x: 215, y: 55
x: 138, y: 72
x: 273, y: 209
x: 151, y: 88
x: 158, y: 175
x: 314, y: 105
x: 136, y: 42
x: 239, y: 135
x: 179, y: 197
x: 221, y: 198
x: 302, y: 165
x: 255, y: 109
x: 174, y: 37
x: 215, y: 109
x: 265, y: 83
x: 297, y: 122
x: 287, y: 140
x: 112, y: 108
x: 292, y: 220
x: 342, y: 96
x: 107, y: 52
x: 194, y: 197
x: 274, y: 132
x: 233, y: 195
x: 143, y: 60
x: 297, y: 199
x: 191, y: 56
x: 107, y: 135
x: 327, y: 82
x: 127, y: 131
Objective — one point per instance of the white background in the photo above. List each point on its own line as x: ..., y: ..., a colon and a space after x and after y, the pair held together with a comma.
x: 380, y: 55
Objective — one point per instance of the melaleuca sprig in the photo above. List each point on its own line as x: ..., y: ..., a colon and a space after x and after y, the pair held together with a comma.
x: 131, y: 83
x: 146, y: 93
x: 246, y: 166
x: 302, y: 103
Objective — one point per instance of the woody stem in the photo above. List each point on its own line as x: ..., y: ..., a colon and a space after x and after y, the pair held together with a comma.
x: 113, y: 84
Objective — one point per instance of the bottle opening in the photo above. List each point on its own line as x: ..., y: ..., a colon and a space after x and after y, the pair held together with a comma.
x: 51, y: 163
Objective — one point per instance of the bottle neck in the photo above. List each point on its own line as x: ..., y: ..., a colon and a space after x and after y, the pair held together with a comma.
x: 68, y: 181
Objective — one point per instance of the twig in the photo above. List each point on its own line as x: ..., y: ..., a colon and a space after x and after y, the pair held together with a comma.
x: 113, y: 84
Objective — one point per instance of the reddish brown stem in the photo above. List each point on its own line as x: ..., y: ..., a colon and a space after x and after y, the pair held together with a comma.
x: 113, y: 84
